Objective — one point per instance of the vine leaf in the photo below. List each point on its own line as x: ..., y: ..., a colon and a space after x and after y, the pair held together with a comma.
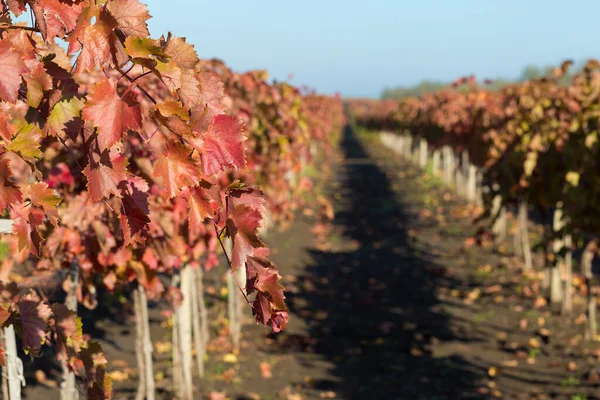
x: 242, y: 224
x: 268, y: 306
x: 9, y: 193
x: 63, y: 113
x: 222, y: 146
x: 176, y: 169
x: 203, y: 203
x: 27, y: 143
x: 110, y: 113
x: 12, y: 67
x: 68, y: 330
x: 34, y: 322
x: 180, y: 52
x: 131, y: 16
x: 56, y: 18
x: 134, y: 217
x: 42, y: 197
x: 104, y: 173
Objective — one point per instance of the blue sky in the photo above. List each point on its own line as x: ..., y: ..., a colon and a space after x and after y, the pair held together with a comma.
x: 359, y: 47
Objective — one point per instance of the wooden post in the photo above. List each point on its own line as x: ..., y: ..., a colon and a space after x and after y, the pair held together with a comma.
x: 143, y: 346
x: 500, y: 224
x: 14, y: 365
x: 586, y: 266
x: 184, y: 330
x: 524, y: 235
x: 68, y: 389
x: 472, y: 183
x: 479, y: 191
x: 234, y: 301
x: 556, y: 293
x: 423, y: 155
x: 436, y: 158
x: 199, y: 316
x: 568, y: 289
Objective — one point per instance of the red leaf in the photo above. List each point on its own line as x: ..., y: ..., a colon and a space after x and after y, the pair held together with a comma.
x: 222, y: 146
x: 243, y: 224
x: 134, y: 219
x: 112, y: 114
x: 4, y: 314
x: 65, y: 325
x: 268, y: 307
x: 34, y: 321
x: 25, y: 228
x: 131, y: 16
x: 9, y: 193
x: 27, y: 218
x: 209, y: 101
x: 56, y: 18
x: 150, y: 259
x: 104, y: 173
x: 203, y: 202
x: 12, y: 67
x: 261, y: 309
x: 278, y: 321
x: 181, y: 53
x: 43, y: 197
x: 251, y: 197
x: 176, y: 169
x: 16, y: 6
x: 96, y: 47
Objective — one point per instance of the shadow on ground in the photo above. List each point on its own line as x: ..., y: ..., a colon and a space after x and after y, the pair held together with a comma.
x: 374, y: 308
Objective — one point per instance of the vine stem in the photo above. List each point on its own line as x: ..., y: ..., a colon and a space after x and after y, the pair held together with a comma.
x: 23, y: 28
x: 229, y: 263
x: 130, y: 79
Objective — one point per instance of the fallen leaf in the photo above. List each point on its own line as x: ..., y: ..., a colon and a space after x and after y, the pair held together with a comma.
x: 265, y: 370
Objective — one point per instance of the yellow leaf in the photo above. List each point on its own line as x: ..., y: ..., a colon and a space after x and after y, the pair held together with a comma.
x: 573, y: 178
x: 230, y: 358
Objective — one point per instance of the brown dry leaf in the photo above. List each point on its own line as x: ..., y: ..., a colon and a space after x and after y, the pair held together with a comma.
x: 162, y: 347
x: 42, y: 379
x: 540, y: 302
x: 416, y: 352
x: 545, y: 332
x: 474, y: 294
x: 580, y: 320
x: 510, y: 363
x: 119, y: 363
x: 217, y: 396
x: 534, y: 343
x: 265, y: 370
x: 118, y: 376
x: 493, y: 289
x: 571, y: 366
x: 523, y: 324
x: 228, y: 375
